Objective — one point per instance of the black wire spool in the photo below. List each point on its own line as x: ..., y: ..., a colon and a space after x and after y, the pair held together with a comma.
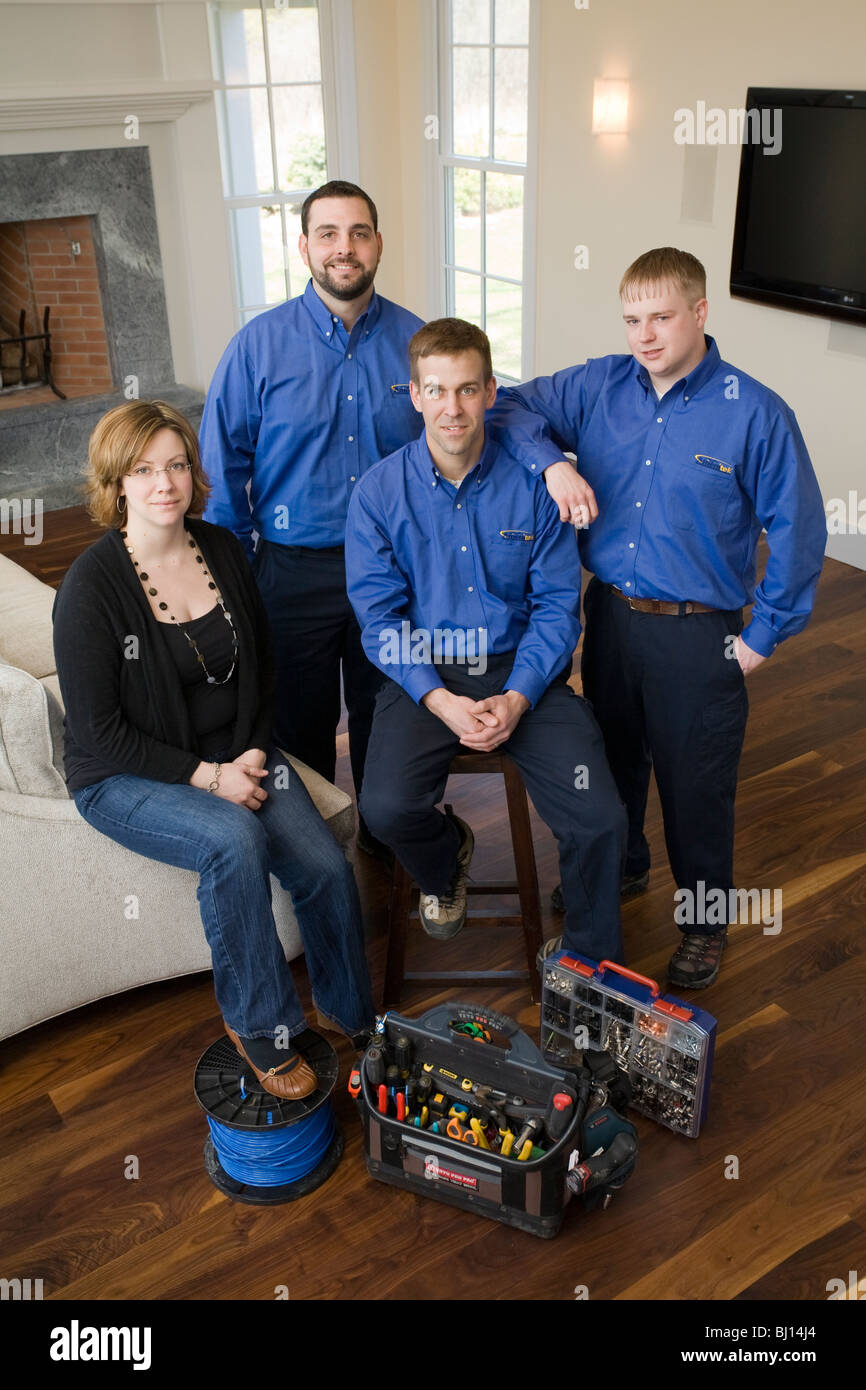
x: 228, y: 1092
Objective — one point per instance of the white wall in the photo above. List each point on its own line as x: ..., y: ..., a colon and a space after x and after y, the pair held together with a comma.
x: 621, y: 195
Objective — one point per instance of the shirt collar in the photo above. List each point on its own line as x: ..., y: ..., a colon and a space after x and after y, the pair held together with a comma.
x: 697, y: 377
x: 479, y: 472
x: 323, y: 318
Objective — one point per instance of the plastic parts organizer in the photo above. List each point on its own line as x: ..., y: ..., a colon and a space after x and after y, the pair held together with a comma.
x: 664, y: 1045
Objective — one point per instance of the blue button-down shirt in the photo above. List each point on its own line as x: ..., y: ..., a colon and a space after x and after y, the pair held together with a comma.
x: 684, y: 484
x: 488, y: 560
x: 299, y: 409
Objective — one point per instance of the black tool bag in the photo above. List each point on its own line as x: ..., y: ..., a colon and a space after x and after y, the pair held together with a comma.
x: 531, y: 1194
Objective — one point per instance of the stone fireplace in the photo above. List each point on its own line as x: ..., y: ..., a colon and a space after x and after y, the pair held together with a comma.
x: 78, y: 235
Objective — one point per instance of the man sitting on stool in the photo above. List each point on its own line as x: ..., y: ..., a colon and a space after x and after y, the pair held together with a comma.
x: 467, y: 591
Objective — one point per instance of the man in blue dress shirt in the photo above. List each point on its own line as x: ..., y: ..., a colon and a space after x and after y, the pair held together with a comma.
x: 683, y: 459
x: 306, y: 398
x: 467, y: 590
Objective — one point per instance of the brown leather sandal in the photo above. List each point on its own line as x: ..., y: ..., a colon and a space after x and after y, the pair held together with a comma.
x: 695, y: 963
x: 292, y: 1080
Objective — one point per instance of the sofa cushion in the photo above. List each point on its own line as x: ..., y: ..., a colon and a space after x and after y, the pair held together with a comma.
x: 26, y: 636
x: 31, y: 736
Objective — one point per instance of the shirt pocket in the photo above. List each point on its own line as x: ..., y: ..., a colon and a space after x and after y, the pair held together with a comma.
x: 704, y: 498
x: 396, y: 421
x: 508, y: 554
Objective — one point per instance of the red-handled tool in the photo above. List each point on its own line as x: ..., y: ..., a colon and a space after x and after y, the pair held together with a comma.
x: 400, y: 1101
x: 559, y: 1116
x: 355, y: 1083
x: 383, y: 1100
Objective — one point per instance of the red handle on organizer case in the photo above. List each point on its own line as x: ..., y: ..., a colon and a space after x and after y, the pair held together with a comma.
x: 630, y: 975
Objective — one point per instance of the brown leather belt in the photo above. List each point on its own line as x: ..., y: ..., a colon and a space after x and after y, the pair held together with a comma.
x: 658, y: 605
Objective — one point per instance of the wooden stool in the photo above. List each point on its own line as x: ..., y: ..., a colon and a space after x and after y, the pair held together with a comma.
x: 525, y: 886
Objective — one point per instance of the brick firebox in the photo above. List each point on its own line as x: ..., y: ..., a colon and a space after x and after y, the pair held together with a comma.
x: 53, y: 262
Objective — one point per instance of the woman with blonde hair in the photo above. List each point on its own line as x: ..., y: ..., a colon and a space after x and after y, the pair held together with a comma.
x: 165, y: 669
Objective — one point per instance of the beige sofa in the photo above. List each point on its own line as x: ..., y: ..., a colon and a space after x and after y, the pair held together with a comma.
x: 81, y: 917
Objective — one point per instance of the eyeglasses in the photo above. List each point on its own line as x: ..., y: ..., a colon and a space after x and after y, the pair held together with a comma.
x: 144, y: 471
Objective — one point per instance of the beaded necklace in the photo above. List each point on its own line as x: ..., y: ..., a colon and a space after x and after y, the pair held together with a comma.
x: 146, y: 580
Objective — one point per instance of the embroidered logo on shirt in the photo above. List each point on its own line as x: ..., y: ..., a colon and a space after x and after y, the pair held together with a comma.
x: 716, y: 464
x: 400, y: 388
x: 517, y: 535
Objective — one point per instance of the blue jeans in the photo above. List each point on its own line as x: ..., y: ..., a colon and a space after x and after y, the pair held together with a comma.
x: 233, y: 850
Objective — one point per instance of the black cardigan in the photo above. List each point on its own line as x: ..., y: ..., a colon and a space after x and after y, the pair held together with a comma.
x: 125, y: 706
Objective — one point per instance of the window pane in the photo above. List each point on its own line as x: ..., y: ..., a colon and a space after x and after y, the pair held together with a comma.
x: 471, y: 113
x: 470, y: 21
x: 466, y: 229
x: 505, y: 225
x: 293, y: 43
x: 504, y: 323
x: 239, y: 27
x: 299, y: 126
x: 512, y: 21
x: 258, y: 242
x: 298, y: 272
x: 249, y: 168
x: 510, y: 103
x: 467, y: 297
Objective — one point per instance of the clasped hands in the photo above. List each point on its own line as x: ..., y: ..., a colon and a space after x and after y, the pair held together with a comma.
x: 238, y: 780
x: 481, y: 725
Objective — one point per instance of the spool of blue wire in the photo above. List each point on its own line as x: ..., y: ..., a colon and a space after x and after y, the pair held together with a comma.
x: 273, y: 1157
x: 260, y: 1149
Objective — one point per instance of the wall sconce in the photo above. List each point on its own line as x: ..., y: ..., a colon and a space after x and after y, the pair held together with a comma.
x: 609, y: 106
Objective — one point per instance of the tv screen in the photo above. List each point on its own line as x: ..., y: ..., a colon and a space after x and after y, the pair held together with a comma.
x: 800, y: 232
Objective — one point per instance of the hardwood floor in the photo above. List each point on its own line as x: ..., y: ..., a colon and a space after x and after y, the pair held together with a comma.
x: 82, y: 1092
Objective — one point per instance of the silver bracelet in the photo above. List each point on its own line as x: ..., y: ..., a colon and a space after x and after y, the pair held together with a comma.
x: 215, y: 784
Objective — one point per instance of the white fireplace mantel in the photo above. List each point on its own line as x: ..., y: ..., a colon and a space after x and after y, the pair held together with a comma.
x: 30, y: 111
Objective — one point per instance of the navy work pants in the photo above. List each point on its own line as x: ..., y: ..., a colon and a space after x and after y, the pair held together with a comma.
x: 559, y: 750
x: 315, y: 633
x: 669, y: 699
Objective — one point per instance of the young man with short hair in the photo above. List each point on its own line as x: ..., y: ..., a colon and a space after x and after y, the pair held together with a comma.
x: 466, y: 587
x: 307, y: 396
x: 683, y: 460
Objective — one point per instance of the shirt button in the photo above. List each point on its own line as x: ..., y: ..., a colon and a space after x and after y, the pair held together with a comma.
x: 348, y: 398
x: 637, y: 504
x: 469, y: 590
x: 352, y: 479
x: 349, y: 355
x: 628, y: 583
x: 648, y: 462
x: 685, y: 398
x: 659, y: 420
x: 463, y: 547
x: 459, y: 506
x: 631, y: 545
x: 351, y: 439
x: 532, y: 466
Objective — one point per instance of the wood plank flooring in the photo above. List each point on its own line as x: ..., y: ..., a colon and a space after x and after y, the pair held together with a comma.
x: 81, y: 1093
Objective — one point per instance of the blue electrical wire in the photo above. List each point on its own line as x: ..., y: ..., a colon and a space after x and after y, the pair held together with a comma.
x: 262, y: 1158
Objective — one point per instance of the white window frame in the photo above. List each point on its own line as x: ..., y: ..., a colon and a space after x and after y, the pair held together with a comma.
x: 437, y: 89
x: 340, y: 109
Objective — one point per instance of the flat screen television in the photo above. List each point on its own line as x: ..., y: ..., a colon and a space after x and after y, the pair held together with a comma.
x: 800, y: 231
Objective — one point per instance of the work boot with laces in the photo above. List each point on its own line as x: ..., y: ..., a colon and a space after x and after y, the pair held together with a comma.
x: 443, y: 915
x: 695, y: 963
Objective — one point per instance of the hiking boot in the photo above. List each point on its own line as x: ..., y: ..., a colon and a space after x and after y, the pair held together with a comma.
x: 695, y: 963
x: 631, y: 885
x: 443, y: 915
